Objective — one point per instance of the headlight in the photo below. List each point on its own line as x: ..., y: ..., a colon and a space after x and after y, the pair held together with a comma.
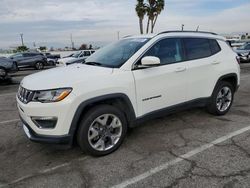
x: 53, y: 95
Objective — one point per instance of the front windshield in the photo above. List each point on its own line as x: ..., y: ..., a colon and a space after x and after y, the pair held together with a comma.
x: 76, y: 54
x: 116, y: 54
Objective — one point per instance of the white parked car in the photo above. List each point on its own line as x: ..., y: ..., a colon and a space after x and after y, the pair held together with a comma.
x: 124, y: 83
x: 75, y: 56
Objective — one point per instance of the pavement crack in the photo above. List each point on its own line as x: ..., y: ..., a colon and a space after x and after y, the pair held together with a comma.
x: 240, y: 148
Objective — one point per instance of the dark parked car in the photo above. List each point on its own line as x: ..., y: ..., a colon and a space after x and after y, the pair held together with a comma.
x: 6, y: 66
x: 244, y: 53
x: 52, y: 58
x: 30, y: 59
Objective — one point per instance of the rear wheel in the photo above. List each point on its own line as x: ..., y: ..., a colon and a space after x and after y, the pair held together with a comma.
x: 222, y: 98
x: 39, y: 66
x: 102, y: 130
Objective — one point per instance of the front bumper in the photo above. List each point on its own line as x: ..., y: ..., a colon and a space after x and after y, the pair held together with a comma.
x: 66, y: 139
x: 63, y: 110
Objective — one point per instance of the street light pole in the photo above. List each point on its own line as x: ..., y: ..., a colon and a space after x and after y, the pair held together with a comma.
x: 118, y: 35
x: 72, y: 43
x: 22, y: 38
x: 182, y: 27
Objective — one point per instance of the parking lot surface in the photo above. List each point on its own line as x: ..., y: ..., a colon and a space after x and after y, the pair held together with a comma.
x: 187, y: 149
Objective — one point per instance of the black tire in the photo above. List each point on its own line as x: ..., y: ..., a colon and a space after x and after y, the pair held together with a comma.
x: 89, y: 118
x: 39, y: 65
x: 212, y: 104
x: 3, y: 73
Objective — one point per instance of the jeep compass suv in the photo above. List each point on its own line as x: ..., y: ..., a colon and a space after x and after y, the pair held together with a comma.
x: 134, y: 79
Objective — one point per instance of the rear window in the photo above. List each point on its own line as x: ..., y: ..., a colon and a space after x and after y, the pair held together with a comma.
x: 197, y: 48
x: 215, y: 48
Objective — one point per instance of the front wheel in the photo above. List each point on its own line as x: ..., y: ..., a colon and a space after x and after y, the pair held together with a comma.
x: 222, y: 98
x: 102, y: 130
x: 39, y: 66
x: 3, y: 73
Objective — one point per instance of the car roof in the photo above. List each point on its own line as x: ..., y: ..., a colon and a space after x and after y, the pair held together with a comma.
x: 181, y: 34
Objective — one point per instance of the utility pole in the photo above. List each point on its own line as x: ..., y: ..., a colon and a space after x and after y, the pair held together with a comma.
x: 197, y: 29
x: 72, y: 43
x: 118, y: 35
x: 21, y: 35
x: 182, y: 27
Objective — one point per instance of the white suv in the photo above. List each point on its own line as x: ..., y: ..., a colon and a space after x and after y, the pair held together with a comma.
x: 136, y: 78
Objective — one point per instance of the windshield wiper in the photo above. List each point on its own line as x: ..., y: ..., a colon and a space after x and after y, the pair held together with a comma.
x: 93, y: 63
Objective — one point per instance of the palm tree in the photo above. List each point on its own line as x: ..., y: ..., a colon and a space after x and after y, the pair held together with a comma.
x: 150, y: 12
x: 154, y: 8
x: 141, y: 11
x: 159, y: 7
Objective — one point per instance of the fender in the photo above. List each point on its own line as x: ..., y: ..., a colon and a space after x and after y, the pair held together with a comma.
x: 130, y: 113
x: 230, y: 75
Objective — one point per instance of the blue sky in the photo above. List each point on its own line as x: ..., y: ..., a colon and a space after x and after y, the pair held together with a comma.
x: 50, y: 22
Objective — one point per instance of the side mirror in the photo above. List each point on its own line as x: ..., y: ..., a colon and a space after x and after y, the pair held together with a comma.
x: 150, y: 61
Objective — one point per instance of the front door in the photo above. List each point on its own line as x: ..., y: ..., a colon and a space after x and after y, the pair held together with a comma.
x: 165, y: 85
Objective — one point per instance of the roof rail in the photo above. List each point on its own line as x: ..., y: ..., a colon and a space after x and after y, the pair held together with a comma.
x: 178, y: 31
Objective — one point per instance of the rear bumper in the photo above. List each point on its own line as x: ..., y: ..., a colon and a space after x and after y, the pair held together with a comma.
x: 30, y: 133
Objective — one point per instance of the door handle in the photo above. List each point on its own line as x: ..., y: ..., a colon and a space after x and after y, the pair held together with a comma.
x: 180, y: 69
x: 215, y: 62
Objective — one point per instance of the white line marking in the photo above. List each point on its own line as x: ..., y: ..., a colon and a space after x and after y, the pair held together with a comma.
x: 7, y: 94
x: 10, y: 121
x: 179, y: 159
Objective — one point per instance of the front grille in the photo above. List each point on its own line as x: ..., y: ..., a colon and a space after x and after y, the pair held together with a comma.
x: 25, y: 95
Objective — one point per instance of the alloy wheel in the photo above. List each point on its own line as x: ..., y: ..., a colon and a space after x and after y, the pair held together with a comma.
x: 105, y: 132
x: 224, y: 99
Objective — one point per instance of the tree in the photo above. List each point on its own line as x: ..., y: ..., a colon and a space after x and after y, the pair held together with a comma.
x: 83, y: 47
x: 141, y: 12
x: 153, y: 9
x: 159, y: 7
x: 90, y: 47
x: 22, y: 48
x: 42, y: 48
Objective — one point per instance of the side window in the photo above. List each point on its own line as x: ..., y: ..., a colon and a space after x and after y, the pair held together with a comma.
x: 87, y: 53
x: 167, y: 50
x: 197, y: 48
x: 17, y: 55
x: 214, y: 46
x: 26, y: 55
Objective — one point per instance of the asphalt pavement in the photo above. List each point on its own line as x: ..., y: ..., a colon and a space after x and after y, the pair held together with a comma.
x: 187, y: 149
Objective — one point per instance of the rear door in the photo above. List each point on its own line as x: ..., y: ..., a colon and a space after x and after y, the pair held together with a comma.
x: 165, y: 85
x: 20, y: 59
x: 202, y: 61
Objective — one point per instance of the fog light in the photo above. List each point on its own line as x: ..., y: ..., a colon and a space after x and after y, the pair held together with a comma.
x: 45, y: 122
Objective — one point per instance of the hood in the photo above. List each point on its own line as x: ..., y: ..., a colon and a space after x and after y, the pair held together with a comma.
x: 64, y: 76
